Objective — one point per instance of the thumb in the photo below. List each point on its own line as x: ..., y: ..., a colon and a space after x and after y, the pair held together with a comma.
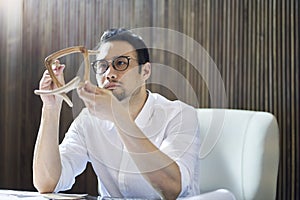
x: 60, y: 69
x: 57, y: 67
x: 89, y: 87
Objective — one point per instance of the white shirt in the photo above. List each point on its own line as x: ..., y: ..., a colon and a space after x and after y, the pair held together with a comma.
x: 170, y: 125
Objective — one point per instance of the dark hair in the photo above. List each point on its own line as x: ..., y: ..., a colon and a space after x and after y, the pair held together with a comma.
x: 122, y: 34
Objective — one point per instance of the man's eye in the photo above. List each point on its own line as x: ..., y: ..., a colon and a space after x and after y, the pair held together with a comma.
x: 103, y: 65
x: 120, y: 63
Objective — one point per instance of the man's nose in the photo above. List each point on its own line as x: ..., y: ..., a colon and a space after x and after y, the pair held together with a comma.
x: 111, y: 73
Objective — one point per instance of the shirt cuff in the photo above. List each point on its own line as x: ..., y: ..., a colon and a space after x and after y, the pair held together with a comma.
x: 185, y: 179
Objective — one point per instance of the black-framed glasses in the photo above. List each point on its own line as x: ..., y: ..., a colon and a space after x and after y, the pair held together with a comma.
x: 119, y: 63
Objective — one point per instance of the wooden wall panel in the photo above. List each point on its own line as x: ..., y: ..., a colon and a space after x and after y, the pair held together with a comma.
x: 11, y: 52
x: 255, y: 45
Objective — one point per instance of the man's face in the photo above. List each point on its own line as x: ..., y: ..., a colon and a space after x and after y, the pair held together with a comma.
x: 123, y: 84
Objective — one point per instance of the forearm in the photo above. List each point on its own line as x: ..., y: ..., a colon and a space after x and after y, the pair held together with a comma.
x: 160, y: 170
x: 46, y: 161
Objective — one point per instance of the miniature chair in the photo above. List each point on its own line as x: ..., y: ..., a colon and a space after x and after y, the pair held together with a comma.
x: 61, y: 89
x: 240, y: 153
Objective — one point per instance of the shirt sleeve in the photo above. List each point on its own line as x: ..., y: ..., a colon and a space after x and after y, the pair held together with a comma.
x: 182, y: 144
x: 73, y: 154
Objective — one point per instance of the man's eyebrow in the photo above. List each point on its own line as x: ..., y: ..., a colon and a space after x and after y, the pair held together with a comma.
x: 117, y: 57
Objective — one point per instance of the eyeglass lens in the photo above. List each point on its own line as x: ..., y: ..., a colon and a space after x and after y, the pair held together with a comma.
x: 120, y: 64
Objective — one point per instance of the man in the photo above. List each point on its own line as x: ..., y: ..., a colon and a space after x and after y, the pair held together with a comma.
x: 139, y: 143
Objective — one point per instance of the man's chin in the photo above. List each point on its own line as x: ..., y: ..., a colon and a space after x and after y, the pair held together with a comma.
x: 119, y: 95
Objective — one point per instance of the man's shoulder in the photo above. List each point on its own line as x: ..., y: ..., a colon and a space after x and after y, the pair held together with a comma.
x: 172, y: 105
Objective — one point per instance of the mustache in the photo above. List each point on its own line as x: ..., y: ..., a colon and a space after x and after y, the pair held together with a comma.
x: 112, y: 83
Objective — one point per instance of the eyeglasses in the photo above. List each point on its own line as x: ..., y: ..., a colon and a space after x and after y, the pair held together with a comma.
x: 119, y: 63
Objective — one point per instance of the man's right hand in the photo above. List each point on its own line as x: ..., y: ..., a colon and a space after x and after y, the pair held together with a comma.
x: 46, y: 83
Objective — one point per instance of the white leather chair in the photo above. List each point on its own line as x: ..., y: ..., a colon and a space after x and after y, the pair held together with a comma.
x: 239, y: 153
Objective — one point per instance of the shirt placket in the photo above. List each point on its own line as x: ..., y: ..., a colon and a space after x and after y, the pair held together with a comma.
x: 122, y: 173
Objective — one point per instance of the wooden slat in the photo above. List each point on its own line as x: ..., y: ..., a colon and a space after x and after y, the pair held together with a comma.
x: 296, y: 99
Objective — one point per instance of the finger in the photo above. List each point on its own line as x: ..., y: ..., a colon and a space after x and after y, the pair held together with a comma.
x: 46, y: 72
x: 89, y: 87
x: 46, y: 75
x: 85, y: 95
x: 55, y: 63
x: 46, y: 78
x: 59, y: 69
x: 95, y: 89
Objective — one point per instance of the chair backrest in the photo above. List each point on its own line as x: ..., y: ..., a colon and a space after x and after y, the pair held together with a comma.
x: 240, y: 152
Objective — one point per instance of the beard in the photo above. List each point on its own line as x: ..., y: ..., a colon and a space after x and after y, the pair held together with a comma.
x: 120, y: 94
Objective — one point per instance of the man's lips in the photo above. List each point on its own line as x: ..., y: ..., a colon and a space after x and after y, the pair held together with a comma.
x: 111, y: 86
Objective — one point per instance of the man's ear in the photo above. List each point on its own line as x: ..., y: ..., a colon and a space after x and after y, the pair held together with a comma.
x: 146, y: 71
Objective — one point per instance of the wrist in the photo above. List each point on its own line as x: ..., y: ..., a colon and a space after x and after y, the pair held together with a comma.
x: 52, y: 108
x: 124, y: 122
x: 50, y: 114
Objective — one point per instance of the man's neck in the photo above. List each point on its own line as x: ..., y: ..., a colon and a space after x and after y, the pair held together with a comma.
x: 136, y: 102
